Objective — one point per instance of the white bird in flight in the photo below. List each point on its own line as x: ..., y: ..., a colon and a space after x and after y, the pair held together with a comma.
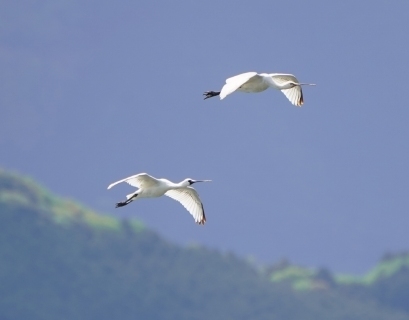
x: 254, y: 82
x: 150, y: 187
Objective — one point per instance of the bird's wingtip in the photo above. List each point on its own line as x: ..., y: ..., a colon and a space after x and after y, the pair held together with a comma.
x: 201, y: 222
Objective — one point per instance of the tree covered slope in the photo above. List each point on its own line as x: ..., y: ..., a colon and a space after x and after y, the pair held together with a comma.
x: 59, y: 260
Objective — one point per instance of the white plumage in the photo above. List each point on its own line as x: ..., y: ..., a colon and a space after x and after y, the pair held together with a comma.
x: 254, y: 82
x: 150, y: 187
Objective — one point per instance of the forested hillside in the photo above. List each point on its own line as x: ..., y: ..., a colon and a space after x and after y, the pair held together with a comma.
x: 62, y: 261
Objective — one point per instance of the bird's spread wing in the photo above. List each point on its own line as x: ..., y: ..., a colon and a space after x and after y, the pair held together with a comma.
x: 233, y: 83
x: 189, y: 198
x: 295, y: 93
x: 141, y: 180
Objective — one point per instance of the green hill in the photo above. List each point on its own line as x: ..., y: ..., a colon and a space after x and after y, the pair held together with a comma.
x: 60, y: 260
x: 386, y: 284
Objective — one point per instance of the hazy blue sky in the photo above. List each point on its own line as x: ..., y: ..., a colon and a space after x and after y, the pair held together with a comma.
x: 95, y: 91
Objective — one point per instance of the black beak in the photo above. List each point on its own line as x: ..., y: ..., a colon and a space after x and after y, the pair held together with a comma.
x: 194, y: 181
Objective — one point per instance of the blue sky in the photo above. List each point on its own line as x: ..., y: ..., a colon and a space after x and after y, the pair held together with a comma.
x: 92, y: 92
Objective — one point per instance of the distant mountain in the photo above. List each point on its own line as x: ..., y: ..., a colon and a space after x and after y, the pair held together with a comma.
x: 387, y: 284
x: 60, y: 260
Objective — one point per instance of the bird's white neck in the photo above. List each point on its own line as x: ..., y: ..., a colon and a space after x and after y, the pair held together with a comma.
x: 181, y: 184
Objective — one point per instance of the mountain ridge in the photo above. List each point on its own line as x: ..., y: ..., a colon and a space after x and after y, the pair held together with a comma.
x: 61, y: 260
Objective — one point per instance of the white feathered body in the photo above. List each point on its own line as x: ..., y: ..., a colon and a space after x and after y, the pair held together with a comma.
x: 252, y: 82
x: 162, y: 186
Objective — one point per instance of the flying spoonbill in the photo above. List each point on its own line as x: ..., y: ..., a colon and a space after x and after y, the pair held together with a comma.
x: 254, y: 82
x: 150, y: 187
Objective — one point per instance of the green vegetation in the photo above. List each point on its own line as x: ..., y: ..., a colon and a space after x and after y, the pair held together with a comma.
x: 305, y: 279
x: 62, y: 261
x: 23, y: 192
x: 300, y: 278
x: 387, y: 268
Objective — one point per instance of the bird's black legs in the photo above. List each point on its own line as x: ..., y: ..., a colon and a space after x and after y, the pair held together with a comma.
x: 121, y: 204
x: 124, y: 203
x: 209, y: 94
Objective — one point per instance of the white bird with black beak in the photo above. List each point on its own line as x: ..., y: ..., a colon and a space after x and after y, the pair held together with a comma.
x: 150, y: 187
x: 254, y: 82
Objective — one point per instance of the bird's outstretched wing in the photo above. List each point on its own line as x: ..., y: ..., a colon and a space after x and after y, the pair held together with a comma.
x: 141, y: 180
x: 295, y: 93
x: 233, y: 83
x: 189, y: 198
